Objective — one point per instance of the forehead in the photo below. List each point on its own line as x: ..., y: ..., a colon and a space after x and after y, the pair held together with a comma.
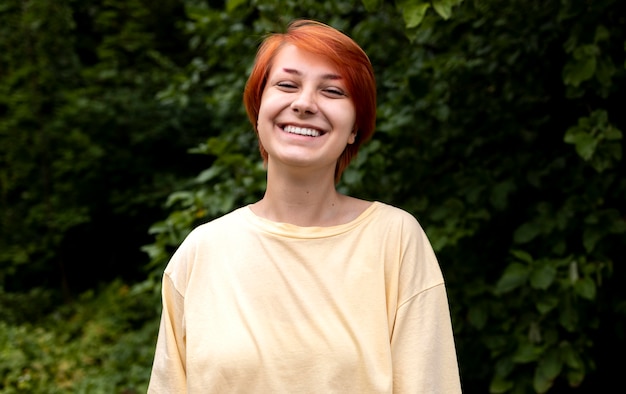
x: 295, y: 60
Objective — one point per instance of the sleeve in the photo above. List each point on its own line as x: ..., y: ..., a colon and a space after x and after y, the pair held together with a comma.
x: 422, y: 344
x: 168, y: 369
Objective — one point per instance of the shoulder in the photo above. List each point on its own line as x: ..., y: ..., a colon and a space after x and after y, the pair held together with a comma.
x: 398, y: 227
x: 418, y: 268
x: 395, y: 216
x: 205, y: 242
x: 210, y: 235
x: 219, y: 226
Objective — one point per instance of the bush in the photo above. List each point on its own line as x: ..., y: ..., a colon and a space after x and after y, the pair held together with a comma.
x: 103, y: 343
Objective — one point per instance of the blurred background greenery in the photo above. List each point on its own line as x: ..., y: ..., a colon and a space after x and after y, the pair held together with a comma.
x: 500, y: 127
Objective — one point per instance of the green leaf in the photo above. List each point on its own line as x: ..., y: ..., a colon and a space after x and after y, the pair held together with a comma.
x: 551, y: 364
x: 584, y: 142
x: 573, y: 272
x: 612, y: 133
x: 413, y: 12
x: 477, y: 316
x: 582, y: 66
x: 514, y: 276
x: 568, y: 318
x: 444, y: 7
x: 586, y: 288
x: 602, y: 34
x: 526, y: 352
x: 593, y: 138
x: 371, y: 5
x: 209, y: 174
x: 548, y: 368
x: 605, y: 70
x: 542, y: 276
x: 570, y: 356
x: 591, y: 236
x: 500, y: 194
x: 575, y: 377
x: 546, y: 304
x: 231, y: 5
x: 500, y: 385
x: 522, y: 255
x: 526, y: 232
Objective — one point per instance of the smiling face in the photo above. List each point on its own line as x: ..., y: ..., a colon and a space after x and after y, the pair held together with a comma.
x: 306, y: 117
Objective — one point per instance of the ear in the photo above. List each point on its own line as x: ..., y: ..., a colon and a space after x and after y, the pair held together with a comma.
x: 352, y: 138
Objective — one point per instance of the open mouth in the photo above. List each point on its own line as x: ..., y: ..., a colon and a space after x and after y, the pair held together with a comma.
x: 302, y: 131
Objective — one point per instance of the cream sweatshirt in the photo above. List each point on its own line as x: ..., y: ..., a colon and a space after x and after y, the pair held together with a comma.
x: 255, y: 306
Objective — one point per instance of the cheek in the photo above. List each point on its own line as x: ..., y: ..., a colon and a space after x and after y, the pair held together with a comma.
x: 350, y: 117
x: 263, y: 127
x: 267, y: 111
x: 262, y: 110
x: 263, y: 119
x: 350, y: 111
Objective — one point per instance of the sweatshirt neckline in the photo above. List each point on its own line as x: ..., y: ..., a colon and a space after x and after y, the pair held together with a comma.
x: 293, y: 231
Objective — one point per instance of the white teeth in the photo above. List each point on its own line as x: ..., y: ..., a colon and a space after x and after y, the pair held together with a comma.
x: 302, y: 131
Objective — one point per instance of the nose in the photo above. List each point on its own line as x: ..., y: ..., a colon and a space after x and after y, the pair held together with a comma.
x: 304, y: 103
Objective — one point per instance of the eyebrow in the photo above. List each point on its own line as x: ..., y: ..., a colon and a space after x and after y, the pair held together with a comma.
x: 325, y: 76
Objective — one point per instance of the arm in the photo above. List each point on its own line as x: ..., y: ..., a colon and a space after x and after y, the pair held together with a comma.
x: 422, y: 343
x: 423, y: 352
x: 168, y: 370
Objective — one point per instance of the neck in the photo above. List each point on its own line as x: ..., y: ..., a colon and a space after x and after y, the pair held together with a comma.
x: 304, y: 199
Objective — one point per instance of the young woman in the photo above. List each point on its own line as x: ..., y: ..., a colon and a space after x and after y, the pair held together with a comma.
x: 307, y: 290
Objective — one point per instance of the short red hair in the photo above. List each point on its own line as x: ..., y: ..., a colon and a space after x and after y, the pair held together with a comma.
x: 331, y: 44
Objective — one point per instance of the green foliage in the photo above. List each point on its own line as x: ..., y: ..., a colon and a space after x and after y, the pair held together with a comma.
x: 102, y: 344
x: 34, y: 67
x: 562, y: 292
x: 500, y: 126
x: 596, y: 140
x: 413, y: 11
x: 495, y: 122
x: 234, y: 179
x: 81, y: 135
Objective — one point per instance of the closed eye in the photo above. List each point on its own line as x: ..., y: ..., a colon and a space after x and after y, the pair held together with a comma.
x: 286, y: 85
x: 335, y: 92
